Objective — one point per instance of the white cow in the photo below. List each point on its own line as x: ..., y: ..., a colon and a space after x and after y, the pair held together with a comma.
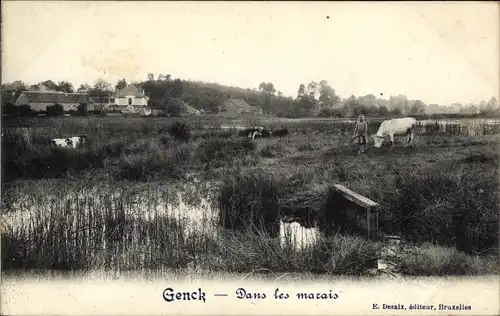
x: 70, y: 142
x: 399, y: 127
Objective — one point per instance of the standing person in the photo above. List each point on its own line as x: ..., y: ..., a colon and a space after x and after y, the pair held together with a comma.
x: 360, y: 131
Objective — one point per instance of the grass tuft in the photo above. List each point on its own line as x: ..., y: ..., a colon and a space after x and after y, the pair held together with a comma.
x: 249, y: 200
x: 435, y: 260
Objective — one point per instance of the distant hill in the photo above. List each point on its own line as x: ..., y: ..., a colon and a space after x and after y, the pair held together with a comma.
x: 315, y: 98
x: 201, y: 96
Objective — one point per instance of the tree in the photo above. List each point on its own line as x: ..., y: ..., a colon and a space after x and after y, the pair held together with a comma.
x: 306, y: 105
x: 350, y: 106
x: 312, y: 89
x: 327, y: 95
x: 101, y: 89
x: 482, y: 106
x: 175, y: 107
x: 268, y: 90
x: 50, y: 85
x: 151, y: 77
x: 492, y: 104
x: 11, y: 91
x: 83, y: 88
x: 176, y: 88
x: 101, y: 85
x: 383, y: 111
x: 121, y: 84
x: 65, y: 86
x: 301, y: 91
x: 417, y: 108
x: 162, y: 77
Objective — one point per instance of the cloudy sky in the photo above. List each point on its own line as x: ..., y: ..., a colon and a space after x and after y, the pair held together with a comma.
x: 439, y: 53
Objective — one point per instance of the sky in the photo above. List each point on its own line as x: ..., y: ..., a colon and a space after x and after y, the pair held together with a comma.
x: 436, y: 52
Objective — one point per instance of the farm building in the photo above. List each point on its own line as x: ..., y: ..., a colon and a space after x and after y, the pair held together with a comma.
x: 39, y: 100
x: 131, y: 100
x: 237, y: 106
x: 130, y: 96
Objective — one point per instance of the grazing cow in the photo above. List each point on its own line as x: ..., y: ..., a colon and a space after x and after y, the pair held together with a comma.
x: 252, y: 135
x: 70, y: 142
x: 399, y: 127
x: 258, y: 131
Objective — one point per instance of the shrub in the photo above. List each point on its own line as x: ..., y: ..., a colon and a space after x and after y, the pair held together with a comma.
x: 21, y: 111
x: 55, y: 110
x: 82, y: 109
x: 180, y: 131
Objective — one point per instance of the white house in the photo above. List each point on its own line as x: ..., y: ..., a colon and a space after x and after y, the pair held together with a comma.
x: 130, y: 99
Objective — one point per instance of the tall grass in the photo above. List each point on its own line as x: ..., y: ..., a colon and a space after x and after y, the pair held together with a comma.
x: 448, y: 209
x: 142, y: 227
x: 216, y: 153
x: 250, y: 201
x: 247, y: 251
x: 434, y: 260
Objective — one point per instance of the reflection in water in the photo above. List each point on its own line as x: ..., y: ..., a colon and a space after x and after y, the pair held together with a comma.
x: 298, y: 235
x: 194, y: 218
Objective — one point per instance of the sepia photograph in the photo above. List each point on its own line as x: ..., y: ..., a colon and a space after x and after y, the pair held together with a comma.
x: 218, y: 157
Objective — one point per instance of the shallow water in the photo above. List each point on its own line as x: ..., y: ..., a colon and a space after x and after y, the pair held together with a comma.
x: 195, y: 215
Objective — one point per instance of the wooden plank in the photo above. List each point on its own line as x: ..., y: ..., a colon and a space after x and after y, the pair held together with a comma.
x: 356, y: 198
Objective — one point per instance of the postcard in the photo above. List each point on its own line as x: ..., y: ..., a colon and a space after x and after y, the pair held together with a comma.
x: 250, y: 158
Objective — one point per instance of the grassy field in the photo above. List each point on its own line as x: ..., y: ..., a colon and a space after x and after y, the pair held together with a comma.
x: 104, y: 206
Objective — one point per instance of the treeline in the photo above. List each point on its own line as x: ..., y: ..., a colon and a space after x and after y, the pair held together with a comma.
x: 171, y: 96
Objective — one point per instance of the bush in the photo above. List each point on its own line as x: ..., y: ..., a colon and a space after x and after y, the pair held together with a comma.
x: 180, y: 131
x: 329, y: 112
x: 250, y: 201
x: 20, y: 111
x: 82, y: 109
x: 55, y: 110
